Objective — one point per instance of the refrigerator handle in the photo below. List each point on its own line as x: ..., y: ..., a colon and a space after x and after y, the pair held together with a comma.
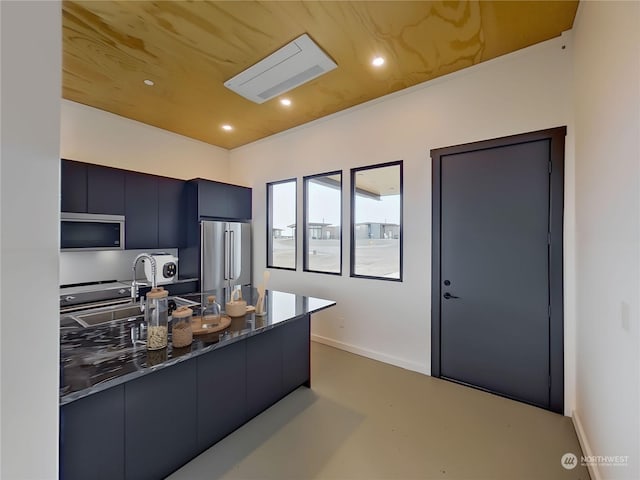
x: 226, y: 255
x: 201, y: 255
x: 232, y: 256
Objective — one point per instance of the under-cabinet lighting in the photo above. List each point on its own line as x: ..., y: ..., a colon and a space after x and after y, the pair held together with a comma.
x: 377, y: 62
x: 148, y: 82
x: 227, y: 128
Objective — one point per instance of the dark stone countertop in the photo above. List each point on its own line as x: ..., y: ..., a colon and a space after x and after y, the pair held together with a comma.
x: 96, y: 358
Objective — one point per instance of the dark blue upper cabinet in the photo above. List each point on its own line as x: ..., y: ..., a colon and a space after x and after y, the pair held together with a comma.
x: 87, y: 188
x: 222, y: 200
x: 153, y: 210
x: 73, y: 186
x: 212, y: 200
x: 160, y: 212
x: 105, y: 190
x: 141, y: 211
x: 170, y: 212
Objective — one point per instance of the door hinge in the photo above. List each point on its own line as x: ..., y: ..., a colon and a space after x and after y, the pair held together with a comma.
x: 550, y: 167
x: 549, y: 311
x: 549, y: 238
x: 549, y: 382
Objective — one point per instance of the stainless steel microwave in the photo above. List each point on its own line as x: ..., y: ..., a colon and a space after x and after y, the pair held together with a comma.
x: 88, y: 231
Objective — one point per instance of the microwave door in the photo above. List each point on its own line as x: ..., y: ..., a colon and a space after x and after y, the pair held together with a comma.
x: 89, y: 235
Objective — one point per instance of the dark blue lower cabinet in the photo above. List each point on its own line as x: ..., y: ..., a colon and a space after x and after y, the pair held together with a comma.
x: 161, y: 422
x: 149, y: 427
x: 264, y: 371
x: 222, y: 393
x: 92, y: 436
x: 295, y: 354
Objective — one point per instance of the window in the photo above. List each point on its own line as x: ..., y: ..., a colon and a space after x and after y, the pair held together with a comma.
x: 281, y: 224
x: 376, y: 221
x: 323, y: 223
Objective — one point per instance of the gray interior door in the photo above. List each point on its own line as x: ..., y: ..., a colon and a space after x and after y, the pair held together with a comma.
x: 494, y: 269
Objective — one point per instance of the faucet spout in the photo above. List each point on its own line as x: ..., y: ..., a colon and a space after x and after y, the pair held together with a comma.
x: 134, y: 285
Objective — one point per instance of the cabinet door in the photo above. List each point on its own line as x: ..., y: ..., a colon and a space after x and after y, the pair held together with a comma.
x: 105, y: 190
x: 222, y: 393
x: 170, y: 212
x: 73, y: 186
x: 221, y: 200
x: 160, y: 430
x: 264, y: 371
x: 141, y: 213
x: 91, y: 434
x: 295, y: 354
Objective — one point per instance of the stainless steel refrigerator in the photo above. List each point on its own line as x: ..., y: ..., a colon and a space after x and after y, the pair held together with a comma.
x: 225, y: 254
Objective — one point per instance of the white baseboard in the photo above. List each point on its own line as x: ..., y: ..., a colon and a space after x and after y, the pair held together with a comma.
x: 364, y: 352
x: 594, y: 472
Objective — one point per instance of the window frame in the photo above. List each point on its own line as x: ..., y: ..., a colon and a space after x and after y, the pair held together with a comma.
x: 352, y: 196
x: 305, y: 204
x: 269, y: 258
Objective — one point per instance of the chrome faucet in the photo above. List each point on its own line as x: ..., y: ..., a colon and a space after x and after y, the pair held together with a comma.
x: 135, y: 291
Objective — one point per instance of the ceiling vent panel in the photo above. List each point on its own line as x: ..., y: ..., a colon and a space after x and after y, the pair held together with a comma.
x: 287, y: 68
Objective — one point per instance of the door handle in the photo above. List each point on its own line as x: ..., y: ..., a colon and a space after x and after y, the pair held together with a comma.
x: 232, y: 255
x: 226, y: 255
x: 201, y: 253
x: 447, y: 295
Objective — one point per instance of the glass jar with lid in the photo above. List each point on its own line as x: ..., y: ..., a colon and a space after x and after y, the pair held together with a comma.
x: 181, y: 331
x: 211, y: 313
x: 156, y: 316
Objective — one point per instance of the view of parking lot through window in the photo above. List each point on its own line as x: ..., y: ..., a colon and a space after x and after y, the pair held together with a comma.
x: 282, y: 224
x: 377, y: 196
x: 376, y: 222
x: 323, y: 222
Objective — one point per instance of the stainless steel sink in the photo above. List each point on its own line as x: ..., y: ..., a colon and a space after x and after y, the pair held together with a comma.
x: 99, y: 316
x: 108, y: 314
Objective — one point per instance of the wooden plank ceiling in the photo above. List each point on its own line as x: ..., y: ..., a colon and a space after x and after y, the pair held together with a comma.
x: 190, y: 48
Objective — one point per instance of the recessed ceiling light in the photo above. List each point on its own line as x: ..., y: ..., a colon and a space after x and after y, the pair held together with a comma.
x: 228, y: 128
x: 377, y: 62
x: 286, y: 102
x: 151, y: 83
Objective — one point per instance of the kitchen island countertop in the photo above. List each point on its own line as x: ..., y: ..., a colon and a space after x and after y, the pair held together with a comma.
x: 97, y: 358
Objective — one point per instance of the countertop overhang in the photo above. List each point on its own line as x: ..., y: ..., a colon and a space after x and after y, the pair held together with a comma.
x: 97, y: 358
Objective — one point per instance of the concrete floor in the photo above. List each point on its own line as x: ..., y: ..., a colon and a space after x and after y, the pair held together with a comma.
x: 364, y: 419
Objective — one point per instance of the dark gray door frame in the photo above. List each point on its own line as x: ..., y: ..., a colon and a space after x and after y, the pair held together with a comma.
x: 556, y: 208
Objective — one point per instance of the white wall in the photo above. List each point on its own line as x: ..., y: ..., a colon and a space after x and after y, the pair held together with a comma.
x: 95, y: 136
x: 521, y: 92
x: 29, y: 205
x: 607, y: 119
